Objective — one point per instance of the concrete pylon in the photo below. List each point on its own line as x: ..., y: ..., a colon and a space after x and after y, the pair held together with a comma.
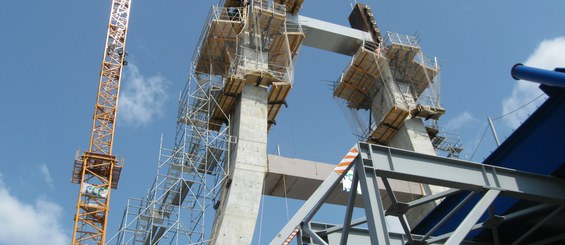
x: 241, y: 193
x: 412, y: 135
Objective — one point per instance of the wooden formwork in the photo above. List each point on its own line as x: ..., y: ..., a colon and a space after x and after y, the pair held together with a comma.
x: 360, y: 78
x: 282, y: 52
x: 390, y: 124
x: 229, y: 96
x: 397, y: 52
x: 421, y: 76
x: 427, y: 112
x: 270, y: 22
x: 218, y: 47
x: 276, y: 99
x: 292, y: 6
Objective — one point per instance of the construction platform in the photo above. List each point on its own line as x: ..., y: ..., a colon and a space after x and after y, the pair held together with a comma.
x: 408, y: 63
x: 97, y: 165
x: 396, y: 74
x: 292, y: 6
x: 219, y: 40
x: 361, y: 77
x: 257, y: 48
x: 227, y: 99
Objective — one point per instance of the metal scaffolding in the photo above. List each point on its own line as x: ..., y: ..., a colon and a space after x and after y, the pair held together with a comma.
x: 188, y: 176
x: 240, y: 44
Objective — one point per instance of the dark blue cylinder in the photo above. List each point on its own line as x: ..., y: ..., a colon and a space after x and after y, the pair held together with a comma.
x: 549, y: 78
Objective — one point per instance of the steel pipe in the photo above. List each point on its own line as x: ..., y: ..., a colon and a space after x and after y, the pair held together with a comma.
x: 554, y: 78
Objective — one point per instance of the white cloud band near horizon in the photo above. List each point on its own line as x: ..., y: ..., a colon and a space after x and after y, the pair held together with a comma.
x: 26, y: 224
x: 142, y: 98
x: 548, y: 55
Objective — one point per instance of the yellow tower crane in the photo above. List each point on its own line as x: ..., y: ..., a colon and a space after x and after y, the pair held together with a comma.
x: 97, y: 170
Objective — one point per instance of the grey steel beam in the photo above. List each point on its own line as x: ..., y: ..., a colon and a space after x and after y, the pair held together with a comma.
x: 310, y: 206
x: 349, y: 211
x: 374, y: 210
x: 527, y: 211
x: 405, y: 165
x: 448, y: 216
x: 337, y: 228
x: 467, y: 224
x: 313, y: 235
x: 387, y: 162
x: 433, y: 197
x: 330, y: 37
x: 395, y: 238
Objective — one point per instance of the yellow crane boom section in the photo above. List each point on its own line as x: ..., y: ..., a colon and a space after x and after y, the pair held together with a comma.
x: 97, y: 170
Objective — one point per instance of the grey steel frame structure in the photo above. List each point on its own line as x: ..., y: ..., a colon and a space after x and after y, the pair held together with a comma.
x: 390, y: 163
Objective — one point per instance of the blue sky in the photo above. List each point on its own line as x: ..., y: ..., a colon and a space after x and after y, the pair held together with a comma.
x: 50, y: 54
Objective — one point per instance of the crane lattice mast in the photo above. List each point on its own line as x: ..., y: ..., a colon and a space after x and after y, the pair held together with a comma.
x: 97, y: 170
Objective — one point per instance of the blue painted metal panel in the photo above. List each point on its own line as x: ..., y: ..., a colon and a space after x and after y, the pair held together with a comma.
x: 537, y: 146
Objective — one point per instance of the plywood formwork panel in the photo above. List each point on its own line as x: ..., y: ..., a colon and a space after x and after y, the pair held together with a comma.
x: 292, y: 6
x: 389, y: 125
x: 399, y: 51
x: 354, y: 95
x: 427, y: 112
x: 276, y: 98
x: 420, y: 76
x: 226, y: 101
x: 361, y: 78
x: 268, y: 20
x: 217, y: 47
x: 282, y: 52
x: 232, y: 3
x: 232, y: 89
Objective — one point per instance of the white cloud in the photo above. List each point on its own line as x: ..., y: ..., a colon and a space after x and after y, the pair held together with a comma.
x: 26, y: 224
x: 548, y: 55
x: 46, y: 176
x: 142, y: 98
x: 460, y: 121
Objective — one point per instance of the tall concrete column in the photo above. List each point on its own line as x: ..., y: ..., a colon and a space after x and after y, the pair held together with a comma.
x: 241, y: 193
x: 413, y: 136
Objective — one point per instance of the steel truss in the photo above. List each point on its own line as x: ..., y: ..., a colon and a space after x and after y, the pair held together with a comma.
x: 389, y: 163
x: 98, y: 170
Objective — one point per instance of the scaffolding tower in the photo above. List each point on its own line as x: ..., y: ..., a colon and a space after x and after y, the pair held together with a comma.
x: 241, y: 43
x: 188, y: 175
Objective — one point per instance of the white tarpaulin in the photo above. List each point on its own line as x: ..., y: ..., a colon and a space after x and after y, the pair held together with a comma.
x: 93, y: 190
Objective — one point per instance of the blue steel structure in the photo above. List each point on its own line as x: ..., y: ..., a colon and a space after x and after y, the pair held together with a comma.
x: 555, y: 78
x: 537, y: 146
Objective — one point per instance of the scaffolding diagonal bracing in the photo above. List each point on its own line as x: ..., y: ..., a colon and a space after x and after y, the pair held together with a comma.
x: 240, y: 44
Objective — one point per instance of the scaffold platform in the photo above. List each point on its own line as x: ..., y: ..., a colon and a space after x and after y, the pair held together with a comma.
x: 388, y: 127
x: 219, y: 40
x: 361, y: 77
